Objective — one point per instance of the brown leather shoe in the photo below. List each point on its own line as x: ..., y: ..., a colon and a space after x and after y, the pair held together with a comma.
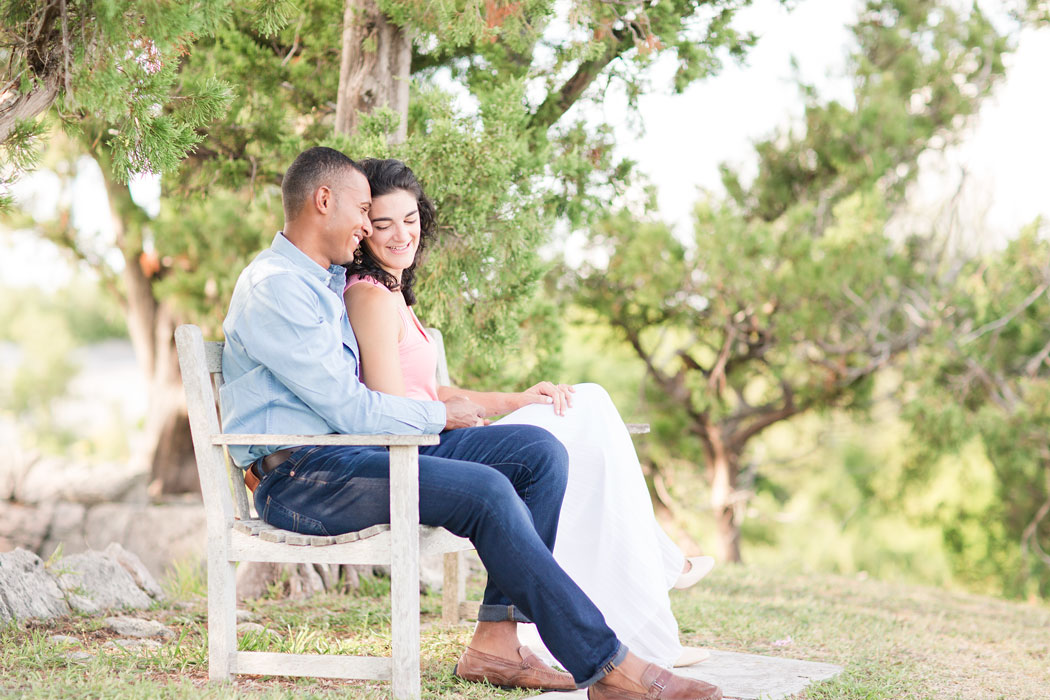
x: 530, y: 672
x: 661, y: 684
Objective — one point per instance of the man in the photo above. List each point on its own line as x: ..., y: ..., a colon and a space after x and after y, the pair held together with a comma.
x: 291, y: 366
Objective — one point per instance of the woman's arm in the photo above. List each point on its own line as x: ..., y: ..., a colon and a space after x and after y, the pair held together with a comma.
x: 497, y: 403
x: 374, y: 317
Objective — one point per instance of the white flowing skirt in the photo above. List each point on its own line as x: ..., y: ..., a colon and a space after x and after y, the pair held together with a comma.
x: 608, y: 539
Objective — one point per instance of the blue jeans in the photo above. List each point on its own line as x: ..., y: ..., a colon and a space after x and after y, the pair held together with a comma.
x: 501, y: 487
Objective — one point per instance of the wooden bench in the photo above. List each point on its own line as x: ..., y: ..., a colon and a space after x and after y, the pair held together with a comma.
x: 235, y: 535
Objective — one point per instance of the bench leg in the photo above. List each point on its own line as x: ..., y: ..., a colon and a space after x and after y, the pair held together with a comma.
x: 222, y: 615
x: 404, y: 571
x: 454, y: 591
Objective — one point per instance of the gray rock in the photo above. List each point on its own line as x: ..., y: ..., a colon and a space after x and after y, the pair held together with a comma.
x: 246, y: 616
x: 134, y: 566
x: 95, y: 581
x: 432, y: 572
x: 256, y: 629
x: 299, y: 580
x: 133, y: 644
x: 137, y: 627
x: 66, y: 529
x: 59, y: 479
x: 78, y: 656
x: 63, y: 639
x: 158, y: 534
x: 15, y: 461
x: 26, y: 589
x: 24, y: 526
x: 107, y: 522
x: 166, y: 533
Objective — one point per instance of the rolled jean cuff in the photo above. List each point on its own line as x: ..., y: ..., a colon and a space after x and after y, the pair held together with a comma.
x: 501, y: 613
x: 606, y: 668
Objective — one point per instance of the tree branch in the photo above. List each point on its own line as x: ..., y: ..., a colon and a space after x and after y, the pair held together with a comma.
x: 1000, y: 322
x: 559, y: 101
x: 738, y: 439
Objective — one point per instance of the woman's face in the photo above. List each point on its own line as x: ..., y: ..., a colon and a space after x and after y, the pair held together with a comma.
x: 395, y: 230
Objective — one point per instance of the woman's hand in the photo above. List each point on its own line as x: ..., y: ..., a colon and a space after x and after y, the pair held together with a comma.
x: 560, y: 395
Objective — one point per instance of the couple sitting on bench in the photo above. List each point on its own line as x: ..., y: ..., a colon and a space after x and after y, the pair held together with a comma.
x: 562, y: 524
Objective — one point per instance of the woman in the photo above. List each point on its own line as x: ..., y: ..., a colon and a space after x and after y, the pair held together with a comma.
x: 607, y: 518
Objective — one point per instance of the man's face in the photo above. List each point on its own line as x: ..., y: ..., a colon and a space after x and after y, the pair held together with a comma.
x: 348, y: 223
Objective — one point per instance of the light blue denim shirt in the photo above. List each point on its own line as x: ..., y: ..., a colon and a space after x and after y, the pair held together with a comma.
x: 290, y: 363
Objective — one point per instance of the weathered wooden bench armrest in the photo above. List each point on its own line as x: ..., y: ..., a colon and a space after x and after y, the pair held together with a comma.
x: 332, y: 439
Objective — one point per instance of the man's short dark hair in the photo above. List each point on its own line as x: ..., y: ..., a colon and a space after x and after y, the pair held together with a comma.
x: 312, y: 168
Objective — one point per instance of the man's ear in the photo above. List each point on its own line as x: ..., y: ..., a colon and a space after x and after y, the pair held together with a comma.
x: 322, y: 199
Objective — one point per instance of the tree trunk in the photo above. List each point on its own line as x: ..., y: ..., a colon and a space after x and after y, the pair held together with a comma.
x: 722, y: 471
x: 167, y: 449
x: 375, y: 68
x: 16, y: 107
x: 169, y: 445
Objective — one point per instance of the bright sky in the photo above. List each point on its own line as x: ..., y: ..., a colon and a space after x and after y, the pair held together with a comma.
x: 687, y: 136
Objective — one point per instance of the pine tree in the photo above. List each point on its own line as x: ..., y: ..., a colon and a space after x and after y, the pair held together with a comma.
x: 114, y: 61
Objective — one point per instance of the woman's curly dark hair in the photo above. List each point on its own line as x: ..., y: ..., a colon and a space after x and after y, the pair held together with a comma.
x: 384, y: 177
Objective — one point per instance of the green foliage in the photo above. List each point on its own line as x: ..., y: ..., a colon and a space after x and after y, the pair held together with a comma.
x: 789, y: 297
x: 989, y: 379
x: 116, y: 62
x: 500, y: 177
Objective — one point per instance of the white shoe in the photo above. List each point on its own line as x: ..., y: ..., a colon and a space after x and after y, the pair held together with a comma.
x: 691, y: 655
x: 699, y: 567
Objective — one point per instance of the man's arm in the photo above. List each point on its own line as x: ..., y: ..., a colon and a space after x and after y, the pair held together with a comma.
x: 283, y: 328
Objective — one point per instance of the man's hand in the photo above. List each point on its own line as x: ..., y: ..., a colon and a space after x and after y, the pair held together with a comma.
x: 461, y: 412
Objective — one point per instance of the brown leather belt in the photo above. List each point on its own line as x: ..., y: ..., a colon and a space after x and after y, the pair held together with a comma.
x: 261, y: 467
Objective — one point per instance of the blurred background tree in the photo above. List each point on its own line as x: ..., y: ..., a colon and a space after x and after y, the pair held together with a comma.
x: 790, y: 297
x: 985, y: 381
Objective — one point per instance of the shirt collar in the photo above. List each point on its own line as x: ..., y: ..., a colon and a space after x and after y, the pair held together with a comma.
x: 334, y: 277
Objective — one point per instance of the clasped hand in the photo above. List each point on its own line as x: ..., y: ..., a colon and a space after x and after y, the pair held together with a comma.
x: 461, y: 412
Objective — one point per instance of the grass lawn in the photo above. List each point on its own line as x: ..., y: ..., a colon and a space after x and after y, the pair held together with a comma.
x: 895, y: 641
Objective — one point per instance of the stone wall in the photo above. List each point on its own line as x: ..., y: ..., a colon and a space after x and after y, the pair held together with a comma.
x: 80, y: 505
x: 159, y: 534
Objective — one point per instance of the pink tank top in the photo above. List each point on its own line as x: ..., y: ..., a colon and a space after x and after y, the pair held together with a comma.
x: 416, y: 349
